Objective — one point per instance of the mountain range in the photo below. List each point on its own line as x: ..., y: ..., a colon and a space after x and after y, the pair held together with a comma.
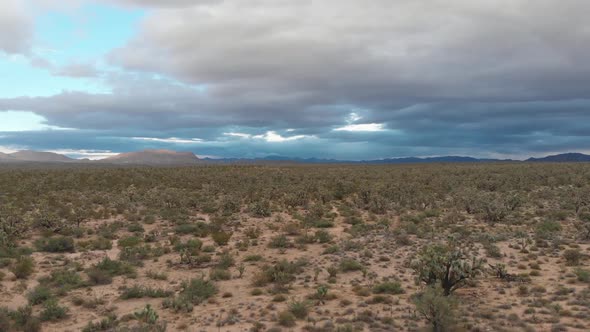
x: 167, y: 157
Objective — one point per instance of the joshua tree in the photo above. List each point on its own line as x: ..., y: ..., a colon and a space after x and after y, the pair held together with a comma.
x: 445, y: 265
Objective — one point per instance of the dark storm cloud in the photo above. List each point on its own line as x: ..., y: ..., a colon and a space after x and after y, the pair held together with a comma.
x: 431, y: 77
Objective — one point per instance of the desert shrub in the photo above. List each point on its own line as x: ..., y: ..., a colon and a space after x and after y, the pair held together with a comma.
x: 137, y: 292
x: 103, y: 272
x: 221, y: 238
x: 63, y: 280
x: 323, y: 236
x: 331, y: 250
x: 56, y: 244
x: 23, y: 267
x: 436, y: 308
x: 193, y: 246
x: 135, y: 255
x: 199, y: 229
x: 24, y: 319
x: 445, y: 265
x: 52, y: 311
x: 493, y: 250
x: 156, y: 275
x: 299, y: 309
x: 39, y: 294
x: 219, y: 274
x: 349, y: 264
x: 193, y: 292
x: 572, y: 257
x: 106, y: 324
x: 547, y: 229
x: 253, y: 232
x: 135, y: 228
x: 260, y: 209
x: 99, y: 277
x: 281, y: 274
x: 5, y: 323
x: 280, y: 241
x: 253, y: 258
x: 388, y: 287
x: 129, y: 241
x: 286, y: 319
x: 100, y: 243
x: 582, y: 274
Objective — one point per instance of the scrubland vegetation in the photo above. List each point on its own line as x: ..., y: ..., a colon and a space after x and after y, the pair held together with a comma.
x: 479, y: 247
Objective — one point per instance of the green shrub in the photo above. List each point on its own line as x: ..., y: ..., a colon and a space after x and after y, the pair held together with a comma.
x: 198, y: 290
x: 286, y: 319
x: 39, y: 295
x: 582, y: 274
x: 299, y: 309
x: 135, y: 228
x: 103, y: 272
x: 572, y: 257
x: 24, y: 319
x: 193, y: 292
x: 137, y: 292
x: 23, y: 267
x: 323, y: 236
x: 129, y: 241
x: 389, y: 287
x: 252, y: 258
x: 99, y: 277
x: 279, y: 241
x: 260, y: 209
x: 281, y: 274
x: 436, y: 308
x: 193, y: 246
x: 52, y: 311
x: 221, y: 238
x: 349, y: 264
x: 219, y: 274
x: 63, y: 280
x: 226, y: 260
x: 106, y: 324
x: 56, y: 244
x: 100, y: 243
x: 547, y: 229
x: 199, y: 229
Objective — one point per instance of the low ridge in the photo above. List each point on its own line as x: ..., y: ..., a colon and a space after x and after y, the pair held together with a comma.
x: 157, y: 157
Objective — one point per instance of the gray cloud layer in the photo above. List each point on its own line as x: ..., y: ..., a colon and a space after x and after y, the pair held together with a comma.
x: 473, y: 77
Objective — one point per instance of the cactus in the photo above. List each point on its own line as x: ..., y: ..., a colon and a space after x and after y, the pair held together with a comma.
x: 147, y: 315
x: 322, y: 292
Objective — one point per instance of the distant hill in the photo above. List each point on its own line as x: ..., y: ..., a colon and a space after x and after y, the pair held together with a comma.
x: 42, y: 157
x: 5, y: 157
x: 564, y: 157
x: 153, y: 157
x: 171, y: 158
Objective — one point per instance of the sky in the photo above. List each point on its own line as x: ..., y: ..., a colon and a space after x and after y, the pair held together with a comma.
x: 341, y: 79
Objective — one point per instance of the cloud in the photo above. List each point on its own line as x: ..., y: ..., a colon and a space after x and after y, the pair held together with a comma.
x: 365, y: 79
x: 362, y: 127
x: 16, y: 27
x: 174, y: 140
x: 269, y: 136
x: 85, y: 154
x: 76, y: 70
